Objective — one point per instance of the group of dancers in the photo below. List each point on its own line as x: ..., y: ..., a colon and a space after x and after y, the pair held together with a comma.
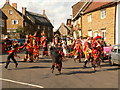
x: 90, y: 48
x: 32, y: 48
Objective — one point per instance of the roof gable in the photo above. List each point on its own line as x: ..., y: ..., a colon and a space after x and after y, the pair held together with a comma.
x: 65, y: 27
x: 6, y: 5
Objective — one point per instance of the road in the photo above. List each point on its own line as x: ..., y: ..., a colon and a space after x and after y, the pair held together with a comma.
x: 38, y: 75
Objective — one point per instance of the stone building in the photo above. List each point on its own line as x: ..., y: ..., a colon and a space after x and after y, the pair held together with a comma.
x: 3, y: 25
x: 16, y: 19
x: 30, y: 22
x: 41, y: 24
x: 98, y: 18
x: 63, y: 30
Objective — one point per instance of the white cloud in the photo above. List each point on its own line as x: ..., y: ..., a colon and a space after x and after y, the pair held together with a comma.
x: 56, y: 10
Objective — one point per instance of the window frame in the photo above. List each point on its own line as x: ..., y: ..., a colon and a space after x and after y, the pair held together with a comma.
x: 89, y: 17
x: 15, y: 22
x: 103, y: 13
x: 10, y: 12
x: 89, y: 33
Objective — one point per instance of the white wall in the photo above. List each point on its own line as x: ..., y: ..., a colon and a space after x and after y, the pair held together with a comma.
x: 118, y: 24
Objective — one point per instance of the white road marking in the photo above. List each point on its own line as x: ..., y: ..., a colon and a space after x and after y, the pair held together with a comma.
x: 21, y: 83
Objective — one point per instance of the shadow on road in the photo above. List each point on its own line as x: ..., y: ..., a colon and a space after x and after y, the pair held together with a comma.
x: 34, y: 67
x: 75, y: 67
x: 78, y: 72
x: 44, y: 61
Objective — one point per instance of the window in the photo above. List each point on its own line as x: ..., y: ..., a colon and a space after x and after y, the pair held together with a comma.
x: 95, y: 33
x: 90, y: 33
x: 10, y: 12
x: 103, y: 13
x: 89, y: 18
x: 80, y: 33
x: 104, y: 34
x: 14, y: 21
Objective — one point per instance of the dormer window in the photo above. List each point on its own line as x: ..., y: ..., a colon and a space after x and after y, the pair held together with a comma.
x: 10, y: 12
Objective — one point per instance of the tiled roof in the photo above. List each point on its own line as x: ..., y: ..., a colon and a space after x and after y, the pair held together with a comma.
x: 25, y: 18
x: 76, y: 7
x: 39, y: 19
x: 2, y: 15
x: 95, y: 5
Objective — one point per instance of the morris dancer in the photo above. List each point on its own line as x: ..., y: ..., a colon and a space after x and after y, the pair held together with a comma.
x: 57, y: 56
x: 88, y: 54
x: 35, y: 50
x: 44, y: 44
x: 11, y: 55
x: 96, y: 58
x: 78, y: 50
x: 29, y: 52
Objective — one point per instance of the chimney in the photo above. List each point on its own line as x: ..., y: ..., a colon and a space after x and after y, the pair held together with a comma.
x: 44, y: 13
x: 63, y: 24
x: 14, y: 5
x: 7, y: 1
x: 23, y: 10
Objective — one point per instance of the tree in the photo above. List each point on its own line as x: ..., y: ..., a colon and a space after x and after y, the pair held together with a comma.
x: 20, y: 30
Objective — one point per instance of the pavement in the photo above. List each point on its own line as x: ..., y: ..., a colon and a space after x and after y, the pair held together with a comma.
x: 38, y: 75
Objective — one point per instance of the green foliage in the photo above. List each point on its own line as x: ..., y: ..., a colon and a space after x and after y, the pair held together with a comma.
x: 20, y: 30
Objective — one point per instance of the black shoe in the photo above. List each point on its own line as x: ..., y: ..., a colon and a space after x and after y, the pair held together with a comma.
x: 6, y: 67
x: 16, y: 65
x: 84, y: 67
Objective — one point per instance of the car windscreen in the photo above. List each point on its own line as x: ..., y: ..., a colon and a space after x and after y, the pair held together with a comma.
x: 114, y: 49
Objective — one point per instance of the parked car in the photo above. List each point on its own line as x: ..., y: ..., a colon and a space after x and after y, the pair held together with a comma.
x: 115, y: 55
x: 106, y: 51
x: 21, y: 41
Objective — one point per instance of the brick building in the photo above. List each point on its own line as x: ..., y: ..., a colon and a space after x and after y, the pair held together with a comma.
x: 16, y: 19
x: 3, y: 25
x: 30, y: 22
x: 98, y: 18
x: 41, y: 24
x: 63, y: 30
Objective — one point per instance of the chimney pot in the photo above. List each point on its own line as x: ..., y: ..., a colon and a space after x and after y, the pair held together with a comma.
x: 14, y: 5
x: 43, y: 12
x: 23, y: 10
x: 7, y: 1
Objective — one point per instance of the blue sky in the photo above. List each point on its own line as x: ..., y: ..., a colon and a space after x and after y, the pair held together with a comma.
x: 56, y: 10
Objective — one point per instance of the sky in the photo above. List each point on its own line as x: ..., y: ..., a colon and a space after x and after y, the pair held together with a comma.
x: 58, y: 11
